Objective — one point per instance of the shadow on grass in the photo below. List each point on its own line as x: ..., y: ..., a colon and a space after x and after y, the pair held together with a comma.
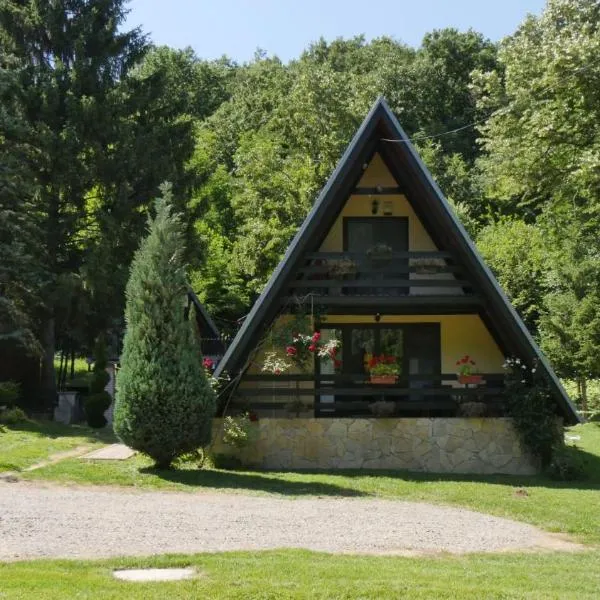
x: 261, y: 481
x: 53, y: 430
x: 588, y: 480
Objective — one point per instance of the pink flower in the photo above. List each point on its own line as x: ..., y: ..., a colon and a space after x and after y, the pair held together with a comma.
x: 208, y: 363
x: 291, y: 351
x: 312, y: 348
x: 316, y: 336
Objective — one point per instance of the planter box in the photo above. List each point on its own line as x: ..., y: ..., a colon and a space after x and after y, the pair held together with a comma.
x: 384, y: 379
x: 470, y: 379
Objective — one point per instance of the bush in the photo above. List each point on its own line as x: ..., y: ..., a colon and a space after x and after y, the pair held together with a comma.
x: 164, y: 404
x: 533, y: 409
x: 564, y: 466
x: 12, y: 416
x: 238, y: 431
x: 94, y: 407
x: 226, y: 462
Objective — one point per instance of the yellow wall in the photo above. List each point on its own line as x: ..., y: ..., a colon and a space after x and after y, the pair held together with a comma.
x: 360, y: 206
x: 460, y: 335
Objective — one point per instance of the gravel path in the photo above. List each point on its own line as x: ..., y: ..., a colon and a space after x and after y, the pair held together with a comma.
x: 51, y: 521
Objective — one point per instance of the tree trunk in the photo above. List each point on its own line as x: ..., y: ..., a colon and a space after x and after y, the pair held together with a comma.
x: 582, y: 384
x: 72, y: 362
x: 48, y: 375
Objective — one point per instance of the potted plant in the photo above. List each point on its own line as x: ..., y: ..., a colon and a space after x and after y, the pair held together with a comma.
x: 344, y: 268
x: 424, y: 266
x: 383, y: 408
x: 383, y: 369
x: 380, y: 252
x: 296, y: 407
x: 467, y: 374
x: 300, y: 351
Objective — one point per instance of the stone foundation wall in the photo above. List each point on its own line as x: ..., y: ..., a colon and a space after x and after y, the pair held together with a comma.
x: 434, y: 445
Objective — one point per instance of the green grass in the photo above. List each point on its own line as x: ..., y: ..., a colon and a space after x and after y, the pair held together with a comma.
x: 303, y: 574
x: 82, y: 376
x: 566, y: 507
x: 25, y: 444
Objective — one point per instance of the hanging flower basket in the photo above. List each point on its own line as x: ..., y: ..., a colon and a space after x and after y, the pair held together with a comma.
x: 384, y: 379
x: 470, y: 379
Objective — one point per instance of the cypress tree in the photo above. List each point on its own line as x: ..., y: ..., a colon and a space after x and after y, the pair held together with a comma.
x: 164, y: 405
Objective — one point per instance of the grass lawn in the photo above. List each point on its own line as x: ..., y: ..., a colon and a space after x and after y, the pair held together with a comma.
x: 302, y: 574
x: 572, y: 507
x: 28, y: 443
x: 566, y: 507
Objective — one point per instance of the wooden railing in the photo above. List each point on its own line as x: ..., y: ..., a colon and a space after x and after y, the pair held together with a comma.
x: 334, y: 275
x: 348, y: 395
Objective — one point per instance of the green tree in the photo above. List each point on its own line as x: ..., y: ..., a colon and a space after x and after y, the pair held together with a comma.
x: 70, y: 56
x: 165, y: 404
x: 542, y: 145
x: 21, y: 273
x: 517, y: 254
x: 570, y: 321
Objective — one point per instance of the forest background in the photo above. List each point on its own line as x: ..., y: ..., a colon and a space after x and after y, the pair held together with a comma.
x: 94, y: 118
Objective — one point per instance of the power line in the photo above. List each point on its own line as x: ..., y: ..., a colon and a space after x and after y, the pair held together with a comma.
x: 482, y: 120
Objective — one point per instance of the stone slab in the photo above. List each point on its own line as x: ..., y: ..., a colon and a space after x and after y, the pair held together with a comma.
x: 112, y: 452
x: 154, y: 574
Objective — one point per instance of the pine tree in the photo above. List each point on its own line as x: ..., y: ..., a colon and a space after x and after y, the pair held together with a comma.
x: 69, y: 58
x: 21, y: 274
x: 165, y: 404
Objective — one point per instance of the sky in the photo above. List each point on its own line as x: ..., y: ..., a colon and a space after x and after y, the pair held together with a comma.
x: 236, y: 28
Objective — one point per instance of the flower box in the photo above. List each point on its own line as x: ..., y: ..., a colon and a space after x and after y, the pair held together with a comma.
x: 470, y: 379
x: 384, y: 379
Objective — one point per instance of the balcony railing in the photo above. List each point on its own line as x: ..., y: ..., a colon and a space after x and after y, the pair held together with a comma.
x: 351, y: 276
x: 351, y: 395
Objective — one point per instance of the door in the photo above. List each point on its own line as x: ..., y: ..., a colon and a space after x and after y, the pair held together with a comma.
x: 422, y: 356
x: 362, y: 235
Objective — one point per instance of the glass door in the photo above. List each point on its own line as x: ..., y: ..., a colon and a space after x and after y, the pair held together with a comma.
x: 369, y: 237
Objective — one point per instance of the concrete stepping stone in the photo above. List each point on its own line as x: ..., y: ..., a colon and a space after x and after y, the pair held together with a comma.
x: 112, y: 452
x: 154, y: 574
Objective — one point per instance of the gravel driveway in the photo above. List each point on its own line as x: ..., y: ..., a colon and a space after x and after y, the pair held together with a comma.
x: 51, y: 521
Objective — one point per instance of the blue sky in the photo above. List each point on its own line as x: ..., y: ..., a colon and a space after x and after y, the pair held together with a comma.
x: 284, y: 27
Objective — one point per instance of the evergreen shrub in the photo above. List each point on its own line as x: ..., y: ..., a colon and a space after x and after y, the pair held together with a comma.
x: 164, y: 404
x: 98, y: 400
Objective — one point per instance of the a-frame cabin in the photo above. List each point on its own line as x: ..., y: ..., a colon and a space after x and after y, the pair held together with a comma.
x: 381, y: 265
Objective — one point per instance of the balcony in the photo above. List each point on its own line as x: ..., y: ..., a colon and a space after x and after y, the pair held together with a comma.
x: 396, y: 279
x: 347, y: 395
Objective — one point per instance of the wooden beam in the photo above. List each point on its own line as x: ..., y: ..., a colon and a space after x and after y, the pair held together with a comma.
x: 379, y: 283
x: 379, y: 190
x: 383, y: 304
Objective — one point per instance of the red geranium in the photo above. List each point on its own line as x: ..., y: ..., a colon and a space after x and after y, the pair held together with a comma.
x: 208, y: 363
x: 291, y: 351
x: 384, y: 364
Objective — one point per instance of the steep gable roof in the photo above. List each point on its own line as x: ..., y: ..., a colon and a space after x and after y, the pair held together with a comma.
x: 381, y: 132
x: 211, y: 340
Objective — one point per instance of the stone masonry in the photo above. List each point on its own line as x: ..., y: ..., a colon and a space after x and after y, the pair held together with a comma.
x: 457, y: 445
